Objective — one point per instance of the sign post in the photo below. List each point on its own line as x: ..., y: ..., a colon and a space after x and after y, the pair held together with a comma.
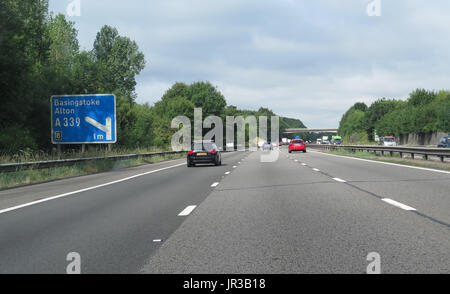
x: 83, y: 119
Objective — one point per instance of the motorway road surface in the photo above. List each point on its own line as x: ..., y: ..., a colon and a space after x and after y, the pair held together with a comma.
x: 304, y: 213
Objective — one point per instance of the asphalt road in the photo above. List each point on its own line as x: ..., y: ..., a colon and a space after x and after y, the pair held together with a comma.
x: 304, y: 213
x: 112, y: 227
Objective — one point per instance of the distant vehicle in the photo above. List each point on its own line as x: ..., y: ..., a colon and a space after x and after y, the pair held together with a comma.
x: 285, y: 141
x: 444, y: 142
x: 267, y: 146
x: 388, y: 141
x: 204, y: 152
x: 260, y: 143
x: 297, y: 145
x: 336, y: 140
x: 318, y: 141
x: 376, y: 137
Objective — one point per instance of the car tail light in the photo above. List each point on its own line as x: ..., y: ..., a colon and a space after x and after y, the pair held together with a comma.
x: 190, y: 152
x: 213, y: 151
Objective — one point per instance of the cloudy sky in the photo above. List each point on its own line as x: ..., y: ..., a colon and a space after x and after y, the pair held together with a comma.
x: 306, y: 59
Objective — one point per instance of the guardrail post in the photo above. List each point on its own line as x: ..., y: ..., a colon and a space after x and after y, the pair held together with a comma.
x: 412, y: 155
x: 401, y: 154
x: 425, y: 156
x: 442, y: 158
x: 392, y: 153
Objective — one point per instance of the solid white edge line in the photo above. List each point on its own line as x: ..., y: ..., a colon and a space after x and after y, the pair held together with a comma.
x: 86, y: 189
x: 386, y: 163
x: 339, y: 180
x: 398, y: 204
x: 215, y: 184
x: 187, y: 210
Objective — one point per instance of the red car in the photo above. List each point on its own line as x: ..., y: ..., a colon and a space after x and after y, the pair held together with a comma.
x: 297, y: 145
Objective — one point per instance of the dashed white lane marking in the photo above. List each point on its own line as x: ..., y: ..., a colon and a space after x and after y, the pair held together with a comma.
x: 157, y: 241
x: 296, y: 160
x: 398, y: 204
x: 215, y: 184
x: 304, y: 164
x: 316, y: 169
x: 187, y: 210
x: 227, y: 173
x: 339, y: 180
x: 87, y: 189
x: 234, y: 166
x: 385, y: 163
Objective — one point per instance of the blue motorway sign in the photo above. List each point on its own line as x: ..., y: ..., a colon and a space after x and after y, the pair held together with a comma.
x: 83, y: 119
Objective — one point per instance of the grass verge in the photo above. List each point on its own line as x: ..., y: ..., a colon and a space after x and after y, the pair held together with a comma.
x: 32, y: 176
x: 395, y: 159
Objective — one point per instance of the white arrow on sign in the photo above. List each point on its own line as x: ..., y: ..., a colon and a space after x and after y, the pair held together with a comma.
x: 105, y: 128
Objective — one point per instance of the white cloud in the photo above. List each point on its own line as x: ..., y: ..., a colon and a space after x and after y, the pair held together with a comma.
x: 152, y: 91
x: 305, y: 59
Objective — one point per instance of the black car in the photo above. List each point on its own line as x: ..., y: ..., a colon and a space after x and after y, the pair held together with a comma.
x: 204, y: 152
x: 444, y: 142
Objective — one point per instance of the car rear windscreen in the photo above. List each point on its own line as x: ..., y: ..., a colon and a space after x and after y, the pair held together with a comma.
x: 203, y: 147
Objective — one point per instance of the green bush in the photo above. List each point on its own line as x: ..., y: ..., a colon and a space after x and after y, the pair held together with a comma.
x: 423, y: 112
x: 14, y: 138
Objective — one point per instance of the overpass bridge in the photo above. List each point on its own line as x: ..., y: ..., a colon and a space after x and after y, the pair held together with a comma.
x: 306, y: 130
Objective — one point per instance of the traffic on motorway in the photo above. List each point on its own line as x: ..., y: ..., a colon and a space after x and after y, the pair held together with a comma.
x: 204, y: 152
x: 223, y: 146
x: 297, y: 145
